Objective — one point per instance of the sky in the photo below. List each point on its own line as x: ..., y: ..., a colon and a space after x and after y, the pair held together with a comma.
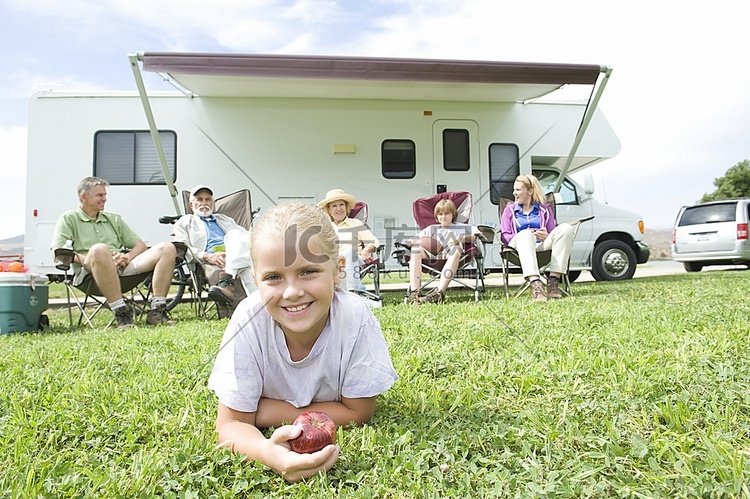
x: 678, y: 98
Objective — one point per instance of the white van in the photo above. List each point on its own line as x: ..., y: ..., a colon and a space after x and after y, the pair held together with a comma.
x: 388, y: 131
x: 714, y: 233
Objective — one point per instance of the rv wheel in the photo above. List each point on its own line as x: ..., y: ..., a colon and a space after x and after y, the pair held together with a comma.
x: 614, y: 260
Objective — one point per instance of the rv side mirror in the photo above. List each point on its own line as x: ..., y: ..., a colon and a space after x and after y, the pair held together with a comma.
x: 588, y: 184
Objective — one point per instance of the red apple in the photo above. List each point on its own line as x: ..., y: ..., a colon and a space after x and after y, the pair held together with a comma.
x: 318, y: 430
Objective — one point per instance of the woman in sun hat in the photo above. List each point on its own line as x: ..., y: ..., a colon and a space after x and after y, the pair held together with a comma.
x: 357, y: 243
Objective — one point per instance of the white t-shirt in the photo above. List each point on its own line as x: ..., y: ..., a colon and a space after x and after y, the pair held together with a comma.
x: 349, y: 359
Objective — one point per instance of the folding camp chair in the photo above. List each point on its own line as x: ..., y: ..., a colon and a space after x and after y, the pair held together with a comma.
x: 360, y: 211
x: 135, y: 292
x: 509, y: 255
x: 237, y: 205
x: 473, y: 254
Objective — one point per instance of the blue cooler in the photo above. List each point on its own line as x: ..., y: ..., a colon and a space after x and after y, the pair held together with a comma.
x: 23, y: 298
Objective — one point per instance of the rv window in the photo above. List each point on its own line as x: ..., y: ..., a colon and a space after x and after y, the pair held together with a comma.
x: 504, y: 168
x: 548, y: 179
x: 398, y: 158
x: 129, y: 157
x: 455, y: 150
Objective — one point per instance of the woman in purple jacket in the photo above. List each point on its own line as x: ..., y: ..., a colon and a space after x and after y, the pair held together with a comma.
x: 528, y: 225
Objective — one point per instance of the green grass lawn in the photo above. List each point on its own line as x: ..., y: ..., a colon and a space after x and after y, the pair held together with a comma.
x: 633, y: 389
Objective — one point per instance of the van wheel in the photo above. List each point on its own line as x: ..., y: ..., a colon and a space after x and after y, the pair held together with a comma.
x: 692, y: 266
x: 613, y: 261
x: 573, y: 275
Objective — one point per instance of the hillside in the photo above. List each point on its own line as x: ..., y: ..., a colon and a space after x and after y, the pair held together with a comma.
x: 11, y: 246
x: 660, y: 241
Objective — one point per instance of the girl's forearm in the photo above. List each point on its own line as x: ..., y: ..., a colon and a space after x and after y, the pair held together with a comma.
x: 243, y: 438
x: 277, y: 412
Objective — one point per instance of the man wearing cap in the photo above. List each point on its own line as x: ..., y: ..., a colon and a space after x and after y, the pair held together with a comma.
x: 357, y: 243
x: 220, y: 245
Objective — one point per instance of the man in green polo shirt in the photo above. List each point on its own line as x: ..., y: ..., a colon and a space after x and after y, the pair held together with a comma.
x: 99, y: 240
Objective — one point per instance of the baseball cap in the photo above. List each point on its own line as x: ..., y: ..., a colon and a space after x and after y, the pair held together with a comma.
x: 200, y: 187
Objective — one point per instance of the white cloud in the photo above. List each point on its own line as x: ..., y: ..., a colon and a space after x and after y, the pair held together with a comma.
x: 186, y: 25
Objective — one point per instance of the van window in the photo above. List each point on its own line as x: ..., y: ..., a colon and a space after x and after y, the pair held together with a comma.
x: 398, y: 158
x: 708, y: 213
x: 455, y: 150
x: 548, y: 179
x: 129, y: 157
x: 504, y: 168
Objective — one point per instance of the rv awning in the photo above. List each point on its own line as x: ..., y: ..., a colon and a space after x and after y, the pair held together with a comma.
x: 246, y: 75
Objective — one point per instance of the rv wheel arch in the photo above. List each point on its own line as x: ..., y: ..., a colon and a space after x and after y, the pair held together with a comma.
x: 613, y: 260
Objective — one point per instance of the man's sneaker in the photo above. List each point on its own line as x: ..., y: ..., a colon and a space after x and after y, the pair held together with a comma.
x: 413, y: 298
x: 436, y: 296
x: 157, y: 316
x: 537, y: 291
x: 222, y: 292
x: 553, y: 288
x: 124, y: 317
x: 223, y: 310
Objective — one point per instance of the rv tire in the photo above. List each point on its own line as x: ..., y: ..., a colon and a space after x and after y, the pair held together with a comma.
x: 613, y: 260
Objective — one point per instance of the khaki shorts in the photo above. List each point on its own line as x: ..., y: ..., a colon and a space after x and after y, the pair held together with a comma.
x: 131, y: 269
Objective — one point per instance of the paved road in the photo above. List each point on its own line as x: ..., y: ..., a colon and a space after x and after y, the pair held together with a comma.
x: 653, y: 268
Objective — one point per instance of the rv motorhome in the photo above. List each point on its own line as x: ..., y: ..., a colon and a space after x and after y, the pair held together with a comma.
x: 388, y: 131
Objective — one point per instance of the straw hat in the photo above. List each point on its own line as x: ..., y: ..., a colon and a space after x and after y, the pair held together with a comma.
x: 336, y: 195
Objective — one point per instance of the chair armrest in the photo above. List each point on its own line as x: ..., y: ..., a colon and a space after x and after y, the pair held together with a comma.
x: 486, y: 234
x: 169, y: 219
x: 63, y: 258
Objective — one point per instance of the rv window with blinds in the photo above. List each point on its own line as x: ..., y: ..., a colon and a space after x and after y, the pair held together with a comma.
x: 398, y: 158
x: 455, y: 150
x: 504, y: 168
x: 129, y: 157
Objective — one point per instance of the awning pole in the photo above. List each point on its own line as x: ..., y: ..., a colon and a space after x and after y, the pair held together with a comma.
x: 590, y: 108
x: 152, y: 127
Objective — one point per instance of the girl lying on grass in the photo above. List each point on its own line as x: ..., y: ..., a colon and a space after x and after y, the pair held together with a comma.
x: 298, y: 344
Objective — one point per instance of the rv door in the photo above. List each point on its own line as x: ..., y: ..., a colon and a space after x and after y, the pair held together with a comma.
x: 456, y: 156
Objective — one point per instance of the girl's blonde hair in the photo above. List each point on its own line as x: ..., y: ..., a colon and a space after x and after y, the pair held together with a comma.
x: 446, y: 206
x: 532, y: 184
x: 295, y: 224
